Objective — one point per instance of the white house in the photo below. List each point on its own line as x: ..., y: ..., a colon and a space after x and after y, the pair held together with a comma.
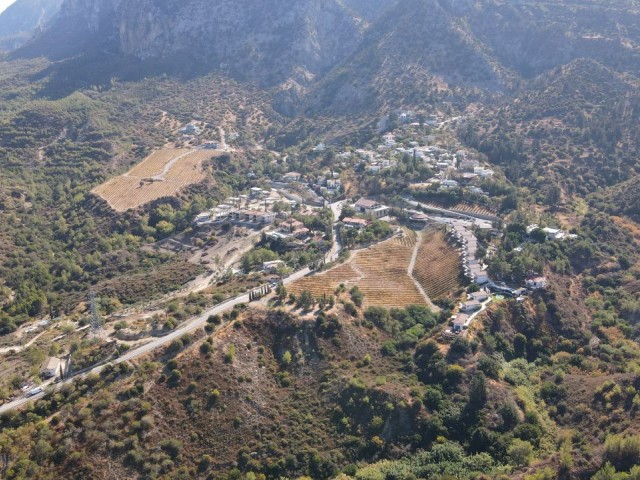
x: 480, y: 296
x: 389, y: 140
x: 468, y: 164
x: 537, y: 283
x: 253, y: 216
x: 554, y: 233
x: 483, y: 172
x: 460, y: 322
x: 358, y: 223
x: 371, y: 207
x: 190, y: 129
x: 292, y: 177
x: 470, y: 306
x: 449, y: 184
x: 203, y: 218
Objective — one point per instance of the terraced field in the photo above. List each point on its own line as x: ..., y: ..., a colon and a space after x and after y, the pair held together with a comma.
x: 380, y: 272
x: 472, y: 209
x: 386, y: 282
x: 467, y: 208
x: 164, y: 173
x: 438, y: 266
x: 325, y: 283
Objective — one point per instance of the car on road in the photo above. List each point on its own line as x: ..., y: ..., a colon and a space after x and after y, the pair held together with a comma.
x: 35, y: 391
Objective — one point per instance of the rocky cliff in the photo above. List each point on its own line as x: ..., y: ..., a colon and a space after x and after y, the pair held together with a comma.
x: 22, y: 19
x: 268, y: 41
x: 345, y: 55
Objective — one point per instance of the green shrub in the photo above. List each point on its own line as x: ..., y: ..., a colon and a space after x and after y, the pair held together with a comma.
x: 520, y: 453
x: 231, y: 354
x: 171, y: 447
x: 623, y: 452
x: 206, y: 348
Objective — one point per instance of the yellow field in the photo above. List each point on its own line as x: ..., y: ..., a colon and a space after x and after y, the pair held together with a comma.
x: 380, y: 272
x: 162, y: 174
x: 438, y: 266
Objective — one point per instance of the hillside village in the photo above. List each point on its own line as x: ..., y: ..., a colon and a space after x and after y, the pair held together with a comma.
x: 307, y: 220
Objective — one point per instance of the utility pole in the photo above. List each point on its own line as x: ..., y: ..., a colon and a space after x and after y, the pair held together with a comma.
x: 96, y: 321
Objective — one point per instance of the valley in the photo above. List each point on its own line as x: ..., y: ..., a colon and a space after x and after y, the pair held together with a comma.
x: 350, y: 240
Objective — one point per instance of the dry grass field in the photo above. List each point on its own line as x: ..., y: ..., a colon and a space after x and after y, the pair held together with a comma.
x: 380, y: 272
x: 438, y: 266
x: 162, y: 174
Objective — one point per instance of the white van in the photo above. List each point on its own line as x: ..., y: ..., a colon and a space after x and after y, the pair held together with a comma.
x: 35, y: 391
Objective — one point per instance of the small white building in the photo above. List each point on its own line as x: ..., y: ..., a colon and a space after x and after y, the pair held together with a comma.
x: 190, y: 129
x: 292, y: 177
x: 483, y: 172
x: 52, y: 368
x: 480, y: 296
x: 272, y: 266
x: 203, y: 218
x: 389, y: 140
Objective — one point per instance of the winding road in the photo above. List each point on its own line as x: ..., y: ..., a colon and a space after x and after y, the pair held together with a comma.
x: 190, y: 325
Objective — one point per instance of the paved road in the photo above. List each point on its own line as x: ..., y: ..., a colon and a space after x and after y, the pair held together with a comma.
x: 188, y: 326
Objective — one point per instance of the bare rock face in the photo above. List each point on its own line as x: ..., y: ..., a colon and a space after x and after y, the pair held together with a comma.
x: 269, y: 41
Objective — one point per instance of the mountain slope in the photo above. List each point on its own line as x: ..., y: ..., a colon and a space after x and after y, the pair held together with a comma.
x: 416, y: 50
x: 269, y: 42
x: 531, y: 37
x: 575, y: 126
x: 347, y: 55
x: 426, y: 48
x: 20, y: 20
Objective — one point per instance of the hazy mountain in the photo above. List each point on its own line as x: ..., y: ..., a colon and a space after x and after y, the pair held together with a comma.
x: 531, y: 37
x: 346, y: 55
x: 268, y: 41
x: 20, y: 20
x: 370, y: 9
